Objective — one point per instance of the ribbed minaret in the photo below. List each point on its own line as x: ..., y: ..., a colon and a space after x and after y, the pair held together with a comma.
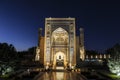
x: 82, y: 50
x: 37, y: 57
x: 39, y: 35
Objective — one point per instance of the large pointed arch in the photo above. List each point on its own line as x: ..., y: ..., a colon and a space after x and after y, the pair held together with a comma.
x: 60, y: 36
x: 60, y: 29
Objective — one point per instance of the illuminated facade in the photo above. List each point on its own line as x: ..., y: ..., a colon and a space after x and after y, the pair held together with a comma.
x: 60, y: 46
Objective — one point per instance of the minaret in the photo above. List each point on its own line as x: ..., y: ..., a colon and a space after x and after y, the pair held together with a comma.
x: 37, y: 57
x: 39, y: 35
x: 82, y: 50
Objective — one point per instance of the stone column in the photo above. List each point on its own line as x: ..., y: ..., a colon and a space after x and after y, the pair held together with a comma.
x: 51, y: 62
x: 67, y: 55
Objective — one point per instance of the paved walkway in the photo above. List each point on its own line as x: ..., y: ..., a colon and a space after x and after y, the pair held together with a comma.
x: 61, y: 76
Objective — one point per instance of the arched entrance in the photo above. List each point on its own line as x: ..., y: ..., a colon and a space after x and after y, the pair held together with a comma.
x: 60, y: 45
x: 59, y: 60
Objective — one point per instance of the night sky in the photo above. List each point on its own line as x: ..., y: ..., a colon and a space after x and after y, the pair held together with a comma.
x: 20, y: 20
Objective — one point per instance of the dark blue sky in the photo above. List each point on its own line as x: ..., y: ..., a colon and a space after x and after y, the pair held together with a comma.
x: 20, y: 20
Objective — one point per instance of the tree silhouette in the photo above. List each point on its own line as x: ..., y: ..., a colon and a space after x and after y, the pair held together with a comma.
x: 7, y: 52
x: 115, y: 50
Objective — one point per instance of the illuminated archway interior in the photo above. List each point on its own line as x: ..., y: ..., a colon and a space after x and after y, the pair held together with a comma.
x: 60, y: 59
x: 59, y: 46
x: 59, y: 37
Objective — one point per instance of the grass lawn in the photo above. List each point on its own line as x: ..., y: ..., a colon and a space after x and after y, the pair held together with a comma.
x: 4, y: 76
x: 113, y: 76
x: 110, y: 75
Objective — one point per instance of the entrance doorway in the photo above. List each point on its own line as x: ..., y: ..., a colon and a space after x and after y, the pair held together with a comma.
x: 60, y: 60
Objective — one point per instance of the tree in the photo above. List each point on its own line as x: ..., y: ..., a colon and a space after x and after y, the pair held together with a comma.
x: 8, y: 57
x: 114, y: 62
x: 7, y: 52
x: 32, y: 50
x: 114, y: 50
x: 29, y: 54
